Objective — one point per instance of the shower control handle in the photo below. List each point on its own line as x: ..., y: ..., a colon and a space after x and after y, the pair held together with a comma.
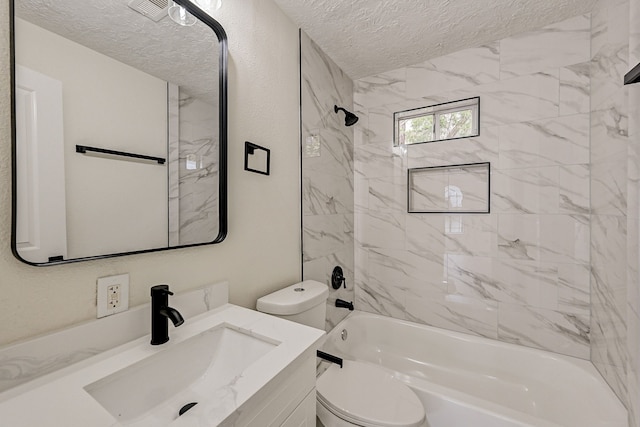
x: 337, y: 278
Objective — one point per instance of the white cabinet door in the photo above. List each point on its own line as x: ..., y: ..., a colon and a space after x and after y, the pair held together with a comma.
x: 41, y: 228
x: 305, y: 414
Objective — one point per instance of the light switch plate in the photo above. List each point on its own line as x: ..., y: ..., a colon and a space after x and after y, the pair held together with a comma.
x: 112, y: 295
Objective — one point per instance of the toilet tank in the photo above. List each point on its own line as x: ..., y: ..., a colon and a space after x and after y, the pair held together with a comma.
x: 304, y: 302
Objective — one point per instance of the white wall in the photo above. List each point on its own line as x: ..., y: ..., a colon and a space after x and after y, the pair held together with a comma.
x: 262, y: 250
x: 97, y: 188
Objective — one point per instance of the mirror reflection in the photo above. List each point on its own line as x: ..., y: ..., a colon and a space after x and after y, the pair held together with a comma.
x: 144, y: 96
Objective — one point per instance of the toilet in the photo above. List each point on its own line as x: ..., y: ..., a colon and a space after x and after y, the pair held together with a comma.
x: 358, y: 394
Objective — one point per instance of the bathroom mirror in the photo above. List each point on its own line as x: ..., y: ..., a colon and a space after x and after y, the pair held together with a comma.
x: 119, y: 129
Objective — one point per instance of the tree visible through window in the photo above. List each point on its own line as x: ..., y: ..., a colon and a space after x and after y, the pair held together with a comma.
x: 456, y: 125
x: 418, y: 129
x: 452, y: 120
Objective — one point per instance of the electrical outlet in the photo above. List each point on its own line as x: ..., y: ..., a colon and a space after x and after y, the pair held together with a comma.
x: 112, y: 295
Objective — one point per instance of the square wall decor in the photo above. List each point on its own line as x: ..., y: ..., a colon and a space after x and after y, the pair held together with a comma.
x: 450, y: 189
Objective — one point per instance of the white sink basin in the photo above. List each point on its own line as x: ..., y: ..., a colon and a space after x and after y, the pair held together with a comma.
x: 222, y: 359
x: 160, y: 385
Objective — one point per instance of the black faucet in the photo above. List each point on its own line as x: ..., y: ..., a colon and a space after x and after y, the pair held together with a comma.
x: 161, y: 313
x: 344, y: 304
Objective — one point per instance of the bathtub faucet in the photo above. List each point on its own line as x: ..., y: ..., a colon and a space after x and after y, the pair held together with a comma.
x: 344, y: 304
x: 161, y: 313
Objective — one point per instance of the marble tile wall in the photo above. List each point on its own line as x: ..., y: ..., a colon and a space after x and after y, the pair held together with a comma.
x: 327, y: 175
x: 633, y: 235
x: 193, y: 169
x: 521, y: 273
x: 612, y: 207
x: 615, y: 46
x: 198, y: 171
x: 192, y: 140
x: 173, y: 162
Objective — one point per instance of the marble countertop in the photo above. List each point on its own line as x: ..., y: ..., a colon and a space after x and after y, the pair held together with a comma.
x: 59, y: 398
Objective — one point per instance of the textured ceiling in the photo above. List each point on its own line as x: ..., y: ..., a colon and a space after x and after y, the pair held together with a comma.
x: 365, y: 37
x: 186, y: 56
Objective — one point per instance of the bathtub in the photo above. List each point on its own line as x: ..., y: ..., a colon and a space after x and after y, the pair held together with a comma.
x: 469, y: 381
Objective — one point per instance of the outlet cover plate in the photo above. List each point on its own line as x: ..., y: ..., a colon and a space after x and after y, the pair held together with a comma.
x: 103, y: 285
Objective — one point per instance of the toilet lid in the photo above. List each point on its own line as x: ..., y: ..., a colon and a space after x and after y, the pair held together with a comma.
x: 366, y: 395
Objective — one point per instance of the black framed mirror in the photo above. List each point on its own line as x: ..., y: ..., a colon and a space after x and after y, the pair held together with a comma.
x: 119, y: 129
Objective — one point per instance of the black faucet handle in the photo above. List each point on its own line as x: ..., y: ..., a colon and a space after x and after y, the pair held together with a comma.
x: 160, y: 290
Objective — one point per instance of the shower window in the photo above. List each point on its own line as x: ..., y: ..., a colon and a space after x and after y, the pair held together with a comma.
x: 451, y: 120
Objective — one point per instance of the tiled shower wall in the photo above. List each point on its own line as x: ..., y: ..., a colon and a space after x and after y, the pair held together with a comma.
x: 521, y: 273
x: 193, y: 195
x: 327, y: 174
x: 615, y: 121
x: 198, y: 187
x: 633, y: 235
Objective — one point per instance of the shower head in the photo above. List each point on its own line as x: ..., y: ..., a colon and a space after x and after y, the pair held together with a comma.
x: 350, y: 119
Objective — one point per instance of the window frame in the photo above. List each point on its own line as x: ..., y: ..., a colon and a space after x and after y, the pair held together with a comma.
x: 436, y: 111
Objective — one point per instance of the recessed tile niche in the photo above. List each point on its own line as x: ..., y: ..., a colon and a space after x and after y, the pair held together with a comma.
x: 449, y: 189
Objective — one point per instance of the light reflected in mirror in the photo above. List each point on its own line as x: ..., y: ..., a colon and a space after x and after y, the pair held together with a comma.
x: 103, y: 75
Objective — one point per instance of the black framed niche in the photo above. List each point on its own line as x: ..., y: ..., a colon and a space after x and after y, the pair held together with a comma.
x: 459, y: 189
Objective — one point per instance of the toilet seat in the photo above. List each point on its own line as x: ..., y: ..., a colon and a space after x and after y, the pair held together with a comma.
x: 366, y: 395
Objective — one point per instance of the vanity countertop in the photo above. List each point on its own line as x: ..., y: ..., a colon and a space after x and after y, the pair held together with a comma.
x: 60, y: 398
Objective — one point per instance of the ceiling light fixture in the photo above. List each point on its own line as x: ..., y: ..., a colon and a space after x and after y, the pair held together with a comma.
x: 209, y: 5
x: 180, y: 16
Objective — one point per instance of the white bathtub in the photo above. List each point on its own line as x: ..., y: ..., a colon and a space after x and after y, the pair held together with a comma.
x: 468, y: 381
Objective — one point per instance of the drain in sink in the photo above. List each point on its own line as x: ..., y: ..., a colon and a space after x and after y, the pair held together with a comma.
x: 186, y: 407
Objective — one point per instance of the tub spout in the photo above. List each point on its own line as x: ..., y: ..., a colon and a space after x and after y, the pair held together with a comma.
x: 344, y: 304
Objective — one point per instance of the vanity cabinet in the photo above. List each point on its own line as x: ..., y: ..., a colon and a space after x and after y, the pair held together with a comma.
x: 305, y: 414
x: 242, y: 367
x: 288, y: 400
